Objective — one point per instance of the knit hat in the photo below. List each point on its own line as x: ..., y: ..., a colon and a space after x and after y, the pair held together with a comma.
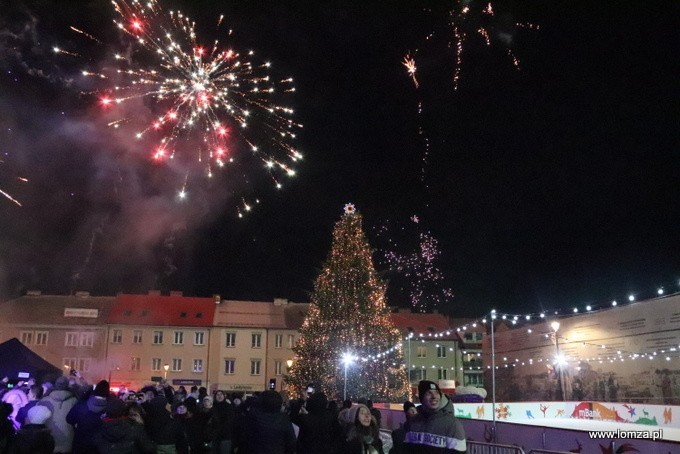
x: 425, y: 386
x: 158, y: 402
x: 102, y: 389
x: 408, y: 405
x: 354, y: 413
x: 115, y: 408
x: 61, y: 383
x: 38, y: 414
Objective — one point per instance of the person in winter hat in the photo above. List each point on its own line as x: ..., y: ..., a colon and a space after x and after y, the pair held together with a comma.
x: 435, y: 428
x: 60, y: 401
x: 398, y: 435
x: 363, y: 435
x: 34, y: 437
x: 85, y: 417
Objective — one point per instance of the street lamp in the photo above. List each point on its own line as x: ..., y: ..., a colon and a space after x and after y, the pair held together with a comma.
x: 289, y: 363
x: 559, y: 359
x: 347, y: 359
x: 166, y: 367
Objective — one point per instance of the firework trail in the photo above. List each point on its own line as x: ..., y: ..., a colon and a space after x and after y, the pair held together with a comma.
x: 415, y: 265
x: 467, y: 19
x: 214, y: 102
x: 7, y: 195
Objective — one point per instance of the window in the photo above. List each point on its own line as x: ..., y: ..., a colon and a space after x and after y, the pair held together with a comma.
x: 422, y: 352
x: 155, y: 364
x: 441, y: 351
x: 71, y: 340
x: 86, y: 339
x: 199, y: 338
x: 198, y: 365
x: 255, y: 366
x: 291, y: 341
x: 229, y: 366
x: 277, y: 368
x: 27, y: 337
x: 135, y: 363
x: 256, y: 340
x: 84, y: 364
x: 179, y: 338
x: 71, y: 363
x: 441, y: 374
x: 176, y: 364
x: 278, y: 341
x: 41, y: 338
x: 117, y: 336
x: 157, y: 337
x: 418, y: 374
x: 137, y: 336
x: 231, y: 340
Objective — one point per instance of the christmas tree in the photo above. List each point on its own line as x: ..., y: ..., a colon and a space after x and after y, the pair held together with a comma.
x: 348, y: 315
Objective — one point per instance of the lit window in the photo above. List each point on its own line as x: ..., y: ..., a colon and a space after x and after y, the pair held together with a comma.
x: 422, y: 352
x: 198, y: 365
x: 229, y: 366
x: 176, y: 364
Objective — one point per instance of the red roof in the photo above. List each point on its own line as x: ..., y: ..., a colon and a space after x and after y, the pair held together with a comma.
x: 424, y: 324
x: 159, y: 310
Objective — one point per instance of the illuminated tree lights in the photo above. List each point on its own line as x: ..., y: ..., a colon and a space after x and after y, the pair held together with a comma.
x: 348, y: 315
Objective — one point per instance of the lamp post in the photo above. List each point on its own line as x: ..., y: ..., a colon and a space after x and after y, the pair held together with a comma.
x: 166, y: 367
x: 559, y: 361
x: 289, y: 363
x: 347, y: 359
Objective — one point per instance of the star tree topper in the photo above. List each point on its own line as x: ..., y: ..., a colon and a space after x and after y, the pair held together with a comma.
x: 350, y: 209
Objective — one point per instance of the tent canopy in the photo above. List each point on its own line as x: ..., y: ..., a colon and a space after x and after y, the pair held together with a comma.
x: 15, y: 357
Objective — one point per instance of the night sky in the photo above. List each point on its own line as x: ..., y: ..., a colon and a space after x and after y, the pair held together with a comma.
x: 549, y: 187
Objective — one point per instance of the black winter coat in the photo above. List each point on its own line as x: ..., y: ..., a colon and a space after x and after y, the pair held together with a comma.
x: 33, y: 439
x: 85, y: 417
x: 269, y: 433
x: 122, y: 436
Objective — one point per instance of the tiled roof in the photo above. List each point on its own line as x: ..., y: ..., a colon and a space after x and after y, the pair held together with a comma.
x: 56, y: 310
x: 260, y: 314
x: 161, y: 310
x: 421, y: 323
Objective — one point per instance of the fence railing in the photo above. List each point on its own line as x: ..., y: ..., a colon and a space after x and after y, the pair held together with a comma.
x: 477, y: 447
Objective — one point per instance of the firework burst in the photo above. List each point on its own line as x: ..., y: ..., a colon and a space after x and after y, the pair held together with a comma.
x: 416, y: 267
x: 213, y: 102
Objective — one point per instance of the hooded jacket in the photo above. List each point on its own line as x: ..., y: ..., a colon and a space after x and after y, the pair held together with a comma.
x: 60, y: 402
x: 435, y: 432
x: 85, y: 417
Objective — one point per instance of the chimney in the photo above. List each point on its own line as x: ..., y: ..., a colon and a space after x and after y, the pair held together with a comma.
x: 280, y: 301
x: 176, y: 293
x: 81, y: 294
x: 217, y: 298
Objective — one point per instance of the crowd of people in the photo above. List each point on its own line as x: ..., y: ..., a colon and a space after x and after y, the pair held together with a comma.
x: 69, y: 416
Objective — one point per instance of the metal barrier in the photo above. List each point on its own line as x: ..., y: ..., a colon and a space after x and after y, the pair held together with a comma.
x: 477, y: 447
x: 545, y: 451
